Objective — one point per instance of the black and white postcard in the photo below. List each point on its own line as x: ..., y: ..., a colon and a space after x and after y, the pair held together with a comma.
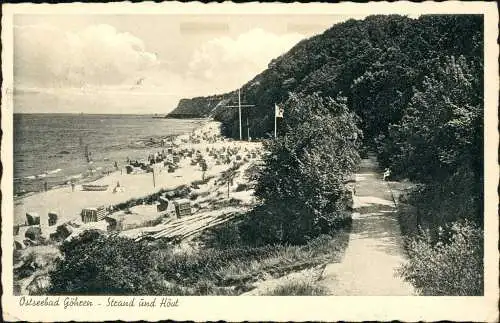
x: 242, y: 162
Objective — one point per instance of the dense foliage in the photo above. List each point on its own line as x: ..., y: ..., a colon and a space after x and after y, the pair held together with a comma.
x: 374, y: 62
x: 95, y: 264
x: 302, y: 183
x: 452, y: 265
x: 417, y: 87
x: 439, y: 142
x: 441, y: 129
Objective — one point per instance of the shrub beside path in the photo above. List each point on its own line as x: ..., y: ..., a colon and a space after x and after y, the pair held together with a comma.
x: 375, y: 247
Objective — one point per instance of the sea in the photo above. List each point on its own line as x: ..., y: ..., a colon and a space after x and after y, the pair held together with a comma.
x: 53, y: 149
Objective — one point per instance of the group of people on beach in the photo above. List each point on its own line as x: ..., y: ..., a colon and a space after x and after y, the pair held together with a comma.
x: 157, y: 157
x: 170, y: 156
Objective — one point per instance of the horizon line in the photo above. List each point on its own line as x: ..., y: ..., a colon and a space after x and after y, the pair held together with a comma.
x: 86, y: 113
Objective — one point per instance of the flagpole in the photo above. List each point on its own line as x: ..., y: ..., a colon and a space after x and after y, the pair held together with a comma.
x: 275, y: 121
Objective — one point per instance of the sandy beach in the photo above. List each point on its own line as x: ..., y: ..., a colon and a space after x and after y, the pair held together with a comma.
x: 68, y: 204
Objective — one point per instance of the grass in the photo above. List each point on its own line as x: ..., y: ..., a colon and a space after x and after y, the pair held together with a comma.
x: 231, y: 271
x: 298, y: 289
x: 170, y: 271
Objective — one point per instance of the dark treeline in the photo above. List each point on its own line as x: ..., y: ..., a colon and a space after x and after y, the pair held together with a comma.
x: 375, y: 63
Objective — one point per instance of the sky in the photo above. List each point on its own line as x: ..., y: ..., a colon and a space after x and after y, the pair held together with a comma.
x: 144, y: 63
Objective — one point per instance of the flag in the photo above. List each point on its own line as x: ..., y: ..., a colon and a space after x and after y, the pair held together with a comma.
x: 278, y: 112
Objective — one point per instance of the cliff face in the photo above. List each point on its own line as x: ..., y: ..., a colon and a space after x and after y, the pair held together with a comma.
x: 199, y: 107
x: 375, y: 63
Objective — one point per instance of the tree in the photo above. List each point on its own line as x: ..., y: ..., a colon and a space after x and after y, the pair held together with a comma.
x: 386, y: 54
x: 441, y: 130
x: 381, y: 93
x: 439, y: 142
x: 302, y: 181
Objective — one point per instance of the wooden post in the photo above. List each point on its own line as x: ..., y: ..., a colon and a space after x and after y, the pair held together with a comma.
x: 239, y: 110
x: 239, y: 106
x: 154, y: 183
x: 248, y: 128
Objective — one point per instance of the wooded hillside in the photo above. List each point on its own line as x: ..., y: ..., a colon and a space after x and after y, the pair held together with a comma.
x: 415, y: 84
x: 375, y: 63
x: 416, y: 87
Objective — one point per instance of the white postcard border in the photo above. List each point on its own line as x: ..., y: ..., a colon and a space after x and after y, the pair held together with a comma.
x: 269, y: 308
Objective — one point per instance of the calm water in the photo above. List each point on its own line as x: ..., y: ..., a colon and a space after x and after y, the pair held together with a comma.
x: 52, y: 147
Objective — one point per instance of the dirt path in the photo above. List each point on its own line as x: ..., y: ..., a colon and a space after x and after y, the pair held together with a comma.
x: 375, y: 244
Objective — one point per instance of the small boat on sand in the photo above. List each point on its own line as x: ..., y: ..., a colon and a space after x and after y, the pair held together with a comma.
x: 93, y: 187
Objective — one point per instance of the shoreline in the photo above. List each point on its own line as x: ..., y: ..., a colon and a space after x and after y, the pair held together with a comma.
x: 68, y: 204
x: 85, y: 179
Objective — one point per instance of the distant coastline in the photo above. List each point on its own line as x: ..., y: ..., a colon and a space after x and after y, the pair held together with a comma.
x: 184, y: 116
x: 190, y: 116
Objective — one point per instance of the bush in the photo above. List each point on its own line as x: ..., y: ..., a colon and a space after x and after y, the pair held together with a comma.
x: 431, y: 206
x: 302, y: 182
x: 451, y: 264
x: 95, y: 264
x: 260, y: 227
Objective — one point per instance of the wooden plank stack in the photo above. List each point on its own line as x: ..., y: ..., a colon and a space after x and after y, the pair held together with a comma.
x: 190, y: 226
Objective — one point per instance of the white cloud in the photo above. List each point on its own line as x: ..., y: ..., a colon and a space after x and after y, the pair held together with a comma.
x: 227, y: 63
x: 101, y: 70
x: 46, y: 56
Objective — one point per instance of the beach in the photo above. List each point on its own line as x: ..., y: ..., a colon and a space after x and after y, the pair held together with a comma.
x: 198, y: 161
x: 68, y: 204
x: 52, y: 149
